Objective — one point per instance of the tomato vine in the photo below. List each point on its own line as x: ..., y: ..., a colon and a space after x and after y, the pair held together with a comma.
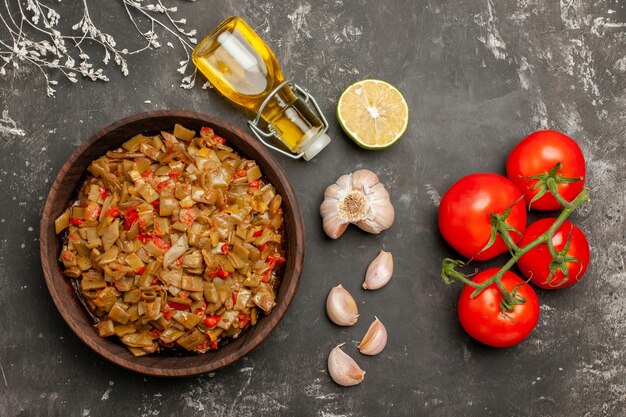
x: 510, y: 299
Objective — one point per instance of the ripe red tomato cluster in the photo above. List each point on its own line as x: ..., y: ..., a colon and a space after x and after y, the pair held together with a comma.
x: 470, y: 208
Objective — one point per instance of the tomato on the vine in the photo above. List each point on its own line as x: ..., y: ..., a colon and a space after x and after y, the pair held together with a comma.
x: 483, y: 319
x: 539, y: 153
x: 538, y: 264
x: 465, y: 209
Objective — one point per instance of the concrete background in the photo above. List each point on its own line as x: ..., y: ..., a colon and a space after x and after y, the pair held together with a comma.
x: 478, y: 75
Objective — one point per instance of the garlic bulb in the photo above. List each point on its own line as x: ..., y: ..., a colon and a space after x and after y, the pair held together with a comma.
x: 379, y: 272
x: 358, y: 198
x: 341, y: 307
x: 343, y: 369
x: 375, y: 339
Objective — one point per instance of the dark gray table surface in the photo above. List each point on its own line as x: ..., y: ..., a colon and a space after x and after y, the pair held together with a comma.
x: 478, y: 75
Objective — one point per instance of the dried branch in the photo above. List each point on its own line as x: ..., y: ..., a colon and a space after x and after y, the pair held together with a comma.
x: 34, y: 39
x: 8, y: 126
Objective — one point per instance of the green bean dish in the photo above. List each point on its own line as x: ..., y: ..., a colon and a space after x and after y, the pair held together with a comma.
x: 174, y: 242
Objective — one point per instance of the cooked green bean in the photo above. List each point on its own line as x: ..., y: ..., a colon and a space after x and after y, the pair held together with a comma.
x: 175, y: 240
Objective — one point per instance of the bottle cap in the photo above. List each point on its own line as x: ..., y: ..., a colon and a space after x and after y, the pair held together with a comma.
x: 315, y: 146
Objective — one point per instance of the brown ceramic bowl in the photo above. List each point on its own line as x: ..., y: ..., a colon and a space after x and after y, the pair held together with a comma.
x: 66, y: 299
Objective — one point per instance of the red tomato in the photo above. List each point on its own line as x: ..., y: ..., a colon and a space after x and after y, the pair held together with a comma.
x: 535, y: 264
x: 482, y: 318
x: 464, y: 219
x: 537, y: 154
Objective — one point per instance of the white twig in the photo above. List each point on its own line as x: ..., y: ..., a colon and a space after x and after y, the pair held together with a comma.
x: 9, y: 127
x: 32, y: 38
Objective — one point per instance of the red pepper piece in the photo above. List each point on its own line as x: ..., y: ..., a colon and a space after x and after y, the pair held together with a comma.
x: 200, y: 310
x: 177, y: 306
x: 174, y: 175
x: 145, y: 237
x: 103, y: 193
x: 239, y: 174
x: 147, y: 173
x: 214, y: 345
x: 257, y: 233
x: 244, y: 319
x: 211, y: 321
x: 130, y: 217
x: 262, y: 247
x: 141, y: 270
x: 163, y: 184
x: 113, y: 212
x: 207, y: 131
x: 255, y: 184
x: 155, y: 280
x: 235, y: 293
x: 275, y: 260
x: 218, y: 273
x: 161, y: 244
x: 203, y: 346
x: 179, y: 260
x: 155, y: 333
x: 219, y: 139
x: 225, y: 248
x: 67, y: 255
x: 168, y: 313
x: 76, y: 221
x: 155, y: 204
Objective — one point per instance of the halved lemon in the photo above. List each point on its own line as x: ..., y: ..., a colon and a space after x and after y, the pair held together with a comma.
x: 373, y: 113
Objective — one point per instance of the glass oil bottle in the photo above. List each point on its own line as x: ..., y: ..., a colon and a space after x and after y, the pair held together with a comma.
x: 243, y: 68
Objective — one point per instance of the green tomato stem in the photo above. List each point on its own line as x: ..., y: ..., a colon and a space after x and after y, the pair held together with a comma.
x: 506, y: 236
x: 518, y: 252
x: 552, y: 186
x: 448, y: 271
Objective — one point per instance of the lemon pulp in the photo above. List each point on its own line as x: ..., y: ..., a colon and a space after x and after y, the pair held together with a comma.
x: 373, y: 113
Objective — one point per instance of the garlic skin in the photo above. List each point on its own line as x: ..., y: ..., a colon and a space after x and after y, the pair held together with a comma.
x: 359, y: 198
x: 375, y: 339
x: 379, y: 271
x: 341, y: 307
x: 343, y: 369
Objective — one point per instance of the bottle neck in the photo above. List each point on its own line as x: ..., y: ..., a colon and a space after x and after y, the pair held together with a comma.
x: 293, y: 122
x: 278, y: 102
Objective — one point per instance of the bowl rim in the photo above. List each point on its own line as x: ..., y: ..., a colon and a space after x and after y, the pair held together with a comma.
x: 294, y: 266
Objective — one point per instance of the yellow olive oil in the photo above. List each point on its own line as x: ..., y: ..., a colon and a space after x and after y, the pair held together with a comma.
x: 243, y: 68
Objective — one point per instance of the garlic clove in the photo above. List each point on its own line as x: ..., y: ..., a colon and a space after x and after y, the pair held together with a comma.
x: 379, y: 271
x: 343, y: 369
x: 333, y: 192
x: 333, y: 226
x: 358, y: 198
x: 382, y: 213
x: 344, y: 182
x: 341, y: 307
x: 375, y: 339
x: 364, y: 179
